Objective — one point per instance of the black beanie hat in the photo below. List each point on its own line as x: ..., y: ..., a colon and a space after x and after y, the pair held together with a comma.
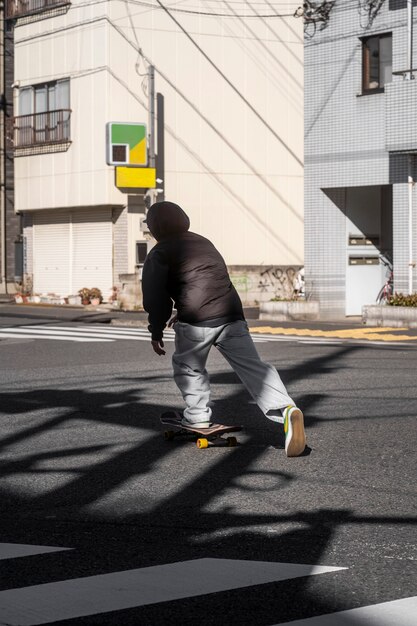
x: 165, y: 219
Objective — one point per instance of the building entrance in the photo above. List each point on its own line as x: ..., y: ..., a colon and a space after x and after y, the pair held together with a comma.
x: 368, y: 242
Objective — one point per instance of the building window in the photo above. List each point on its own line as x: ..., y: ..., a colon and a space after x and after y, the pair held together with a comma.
x: 44, y: 114
x: 376, y: 63
x: 141, y: 252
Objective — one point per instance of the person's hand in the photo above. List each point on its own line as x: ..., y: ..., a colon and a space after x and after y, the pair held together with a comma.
x: 172, y: 321
x: 158, y: 347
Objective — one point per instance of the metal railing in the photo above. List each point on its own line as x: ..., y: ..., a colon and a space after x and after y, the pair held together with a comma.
x: 19, y: 8
x: 41, y: 128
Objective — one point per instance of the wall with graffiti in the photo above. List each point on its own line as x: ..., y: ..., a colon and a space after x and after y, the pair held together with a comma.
x: 263, y: 283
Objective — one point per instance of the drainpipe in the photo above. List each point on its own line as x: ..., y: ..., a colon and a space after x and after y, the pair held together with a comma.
x: 410, y: 76
x: 411, y: 263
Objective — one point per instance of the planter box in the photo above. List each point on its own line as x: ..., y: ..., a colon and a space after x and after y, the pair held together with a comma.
x: 384, y: 315
x: 287, y: 311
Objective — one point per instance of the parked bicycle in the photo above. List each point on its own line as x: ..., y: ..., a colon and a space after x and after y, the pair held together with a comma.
x: 387, y: 290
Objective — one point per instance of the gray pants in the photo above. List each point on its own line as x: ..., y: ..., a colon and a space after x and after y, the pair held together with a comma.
x: 192, y: 347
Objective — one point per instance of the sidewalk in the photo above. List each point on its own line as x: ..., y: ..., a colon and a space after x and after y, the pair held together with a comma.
x: 105, y: 314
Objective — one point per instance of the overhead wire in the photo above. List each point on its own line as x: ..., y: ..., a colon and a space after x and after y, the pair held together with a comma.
x: 214, y: 128
x: 233, y: 87
x: 272, y: 78
x: 189, y: 11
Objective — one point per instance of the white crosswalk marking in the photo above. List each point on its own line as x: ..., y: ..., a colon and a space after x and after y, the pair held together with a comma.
x: 56, y: 601
x: 15, y: 550
x: 398, y: 612
x: 89, y: 333
x: 104, y: 593
x: 78, y: 333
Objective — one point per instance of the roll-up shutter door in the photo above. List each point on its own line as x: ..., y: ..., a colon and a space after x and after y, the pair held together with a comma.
x: 92, y: 250
x: 72, y: 250
x: 51, y: 258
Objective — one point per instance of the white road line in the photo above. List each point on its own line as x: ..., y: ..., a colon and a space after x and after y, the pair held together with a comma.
x: 101, y: 329
x: 44, y: 333
x: 332, y: 342
x: 15, y: 550
x: 52, y: 602
x: 398, y: 612
x: 16, y: 335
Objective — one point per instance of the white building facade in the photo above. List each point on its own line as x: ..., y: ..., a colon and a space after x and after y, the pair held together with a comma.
x: 360, y: 153
x: 233, y: 129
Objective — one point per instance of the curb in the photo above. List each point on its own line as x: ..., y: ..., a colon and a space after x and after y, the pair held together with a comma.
x: 132, y: 323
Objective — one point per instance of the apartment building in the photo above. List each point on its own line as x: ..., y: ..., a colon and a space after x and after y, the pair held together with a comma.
x: 233, y: 129
x: 360, y: 147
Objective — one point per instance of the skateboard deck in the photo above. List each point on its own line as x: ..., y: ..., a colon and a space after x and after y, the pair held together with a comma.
x: 205, y: 436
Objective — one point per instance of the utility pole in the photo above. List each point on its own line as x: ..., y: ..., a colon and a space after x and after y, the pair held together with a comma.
x: 160, y: 161
x: 3, y: 280
x: 151, y: 193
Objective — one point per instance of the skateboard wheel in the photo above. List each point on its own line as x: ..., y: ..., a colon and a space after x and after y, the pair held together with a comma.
x: 231, y: 442
x: 202, y: 443
x: 169, y: 435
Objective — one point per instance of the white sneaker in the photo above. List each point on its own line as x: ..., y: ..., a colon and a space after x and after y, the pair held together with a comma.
x: 295, y: 437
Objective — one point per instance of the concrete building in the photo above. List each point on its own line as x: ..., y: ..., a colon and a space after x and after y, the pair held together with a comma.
x: 232, y: 89
x: 360, y: 142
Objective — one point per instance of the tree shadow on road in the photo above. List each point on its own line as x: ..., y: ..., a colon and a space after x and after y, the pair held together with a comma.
x: 192, y: 519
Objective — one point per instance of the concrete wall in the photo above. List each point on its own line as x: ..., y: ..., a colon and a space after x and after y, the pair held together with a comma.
x: 120, y: 239
x: 261, y: 284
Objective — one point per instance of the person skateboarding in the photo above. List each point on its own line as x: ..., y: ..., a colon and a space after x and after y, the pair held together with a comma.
x: 185, y: 270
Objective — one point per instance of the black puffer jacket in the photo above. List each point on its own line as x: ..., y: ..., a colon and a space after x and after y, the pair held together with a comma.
x: 186, y: 271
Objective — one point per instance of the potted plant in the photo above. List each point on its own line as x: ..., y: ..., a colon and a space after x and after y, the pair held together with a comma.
x: 85, y: 295
x: 95, y: 296
x: 114, y: 295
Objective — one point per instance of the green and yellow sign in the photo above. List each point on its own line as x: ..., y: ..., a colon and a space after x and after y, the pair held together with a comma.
x: 126, y: 144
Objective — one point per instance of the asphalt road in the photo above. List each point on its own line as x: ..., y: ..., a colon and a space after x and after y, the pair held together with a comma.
x: 84, y: 466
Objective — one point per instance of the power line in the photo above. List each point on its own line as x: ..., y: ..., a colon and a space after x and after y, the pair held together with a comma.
x: 210, y: 13
x: 233, y: 87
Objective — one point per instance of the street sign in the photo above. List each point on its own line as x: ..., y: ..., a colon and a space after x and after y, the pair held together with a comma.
x: 126, y: 144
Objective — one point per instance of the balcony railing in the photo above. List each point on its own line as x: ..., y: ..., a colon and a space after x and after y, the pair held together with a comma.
x: 52, y: 127
x: 20, y: 8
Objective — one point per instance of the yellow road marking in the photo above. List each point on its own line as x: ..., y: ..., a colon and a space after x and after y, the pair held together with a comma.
x: 381, y: 333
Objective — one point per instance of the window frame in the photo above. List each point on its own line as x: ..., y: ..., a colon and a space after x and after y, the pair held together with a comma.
x: 47, y: 85
x: 44, y: 114
x: 366, y: 65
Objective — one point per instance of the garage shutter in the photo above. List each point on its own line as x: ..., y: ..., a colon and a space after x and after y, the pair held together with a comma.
x: 51, y: 259
x: 92, y: 250
x: 72, y: 250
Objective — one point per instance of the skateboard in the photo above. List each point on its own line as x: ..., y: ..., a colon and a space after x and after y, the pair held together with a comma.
x: 212, y: 436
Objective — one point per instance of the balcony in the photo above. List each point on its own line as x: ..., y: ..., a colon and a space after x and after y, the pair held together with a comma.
x: 401, y: 114
x: 22, y: 8
x: 41, y: 132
